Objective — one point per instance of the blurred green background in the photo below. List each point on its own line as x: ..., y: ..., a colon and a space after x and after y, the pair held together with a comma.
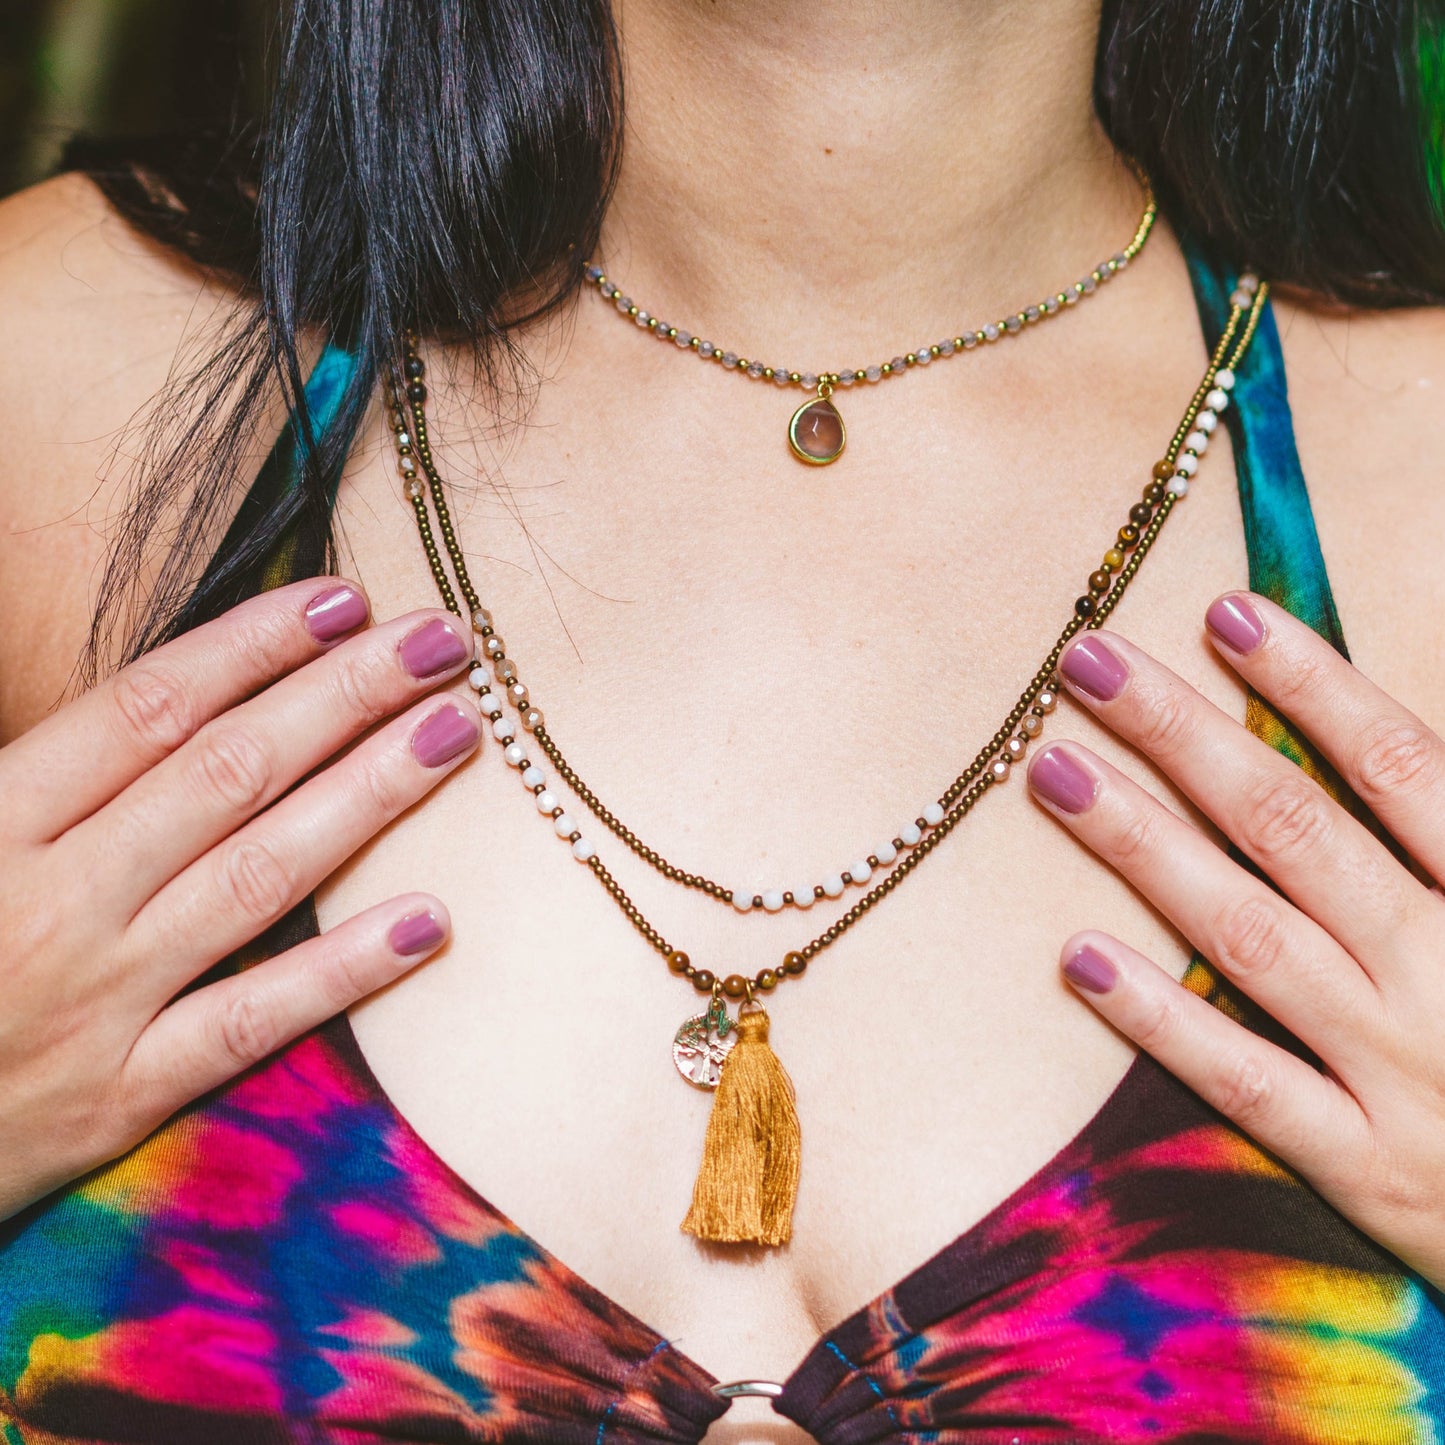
x: 122, y: 67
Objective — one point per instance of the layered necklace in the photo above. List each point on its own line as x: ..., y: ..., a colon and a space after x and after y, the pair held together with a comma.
x: 747, y: 1183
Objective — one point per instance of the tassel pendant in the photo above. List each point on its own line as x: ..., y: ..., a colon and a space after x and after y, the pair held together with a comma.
x: 748, y: 1181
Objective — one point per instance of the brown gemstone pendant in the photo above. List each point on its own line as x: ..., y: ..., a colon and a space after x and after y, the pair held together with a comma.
x: 816, y: 433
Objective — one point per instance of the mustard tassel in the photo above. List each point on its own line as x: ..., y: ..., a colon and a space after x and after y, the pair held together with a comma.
x: 748, y: 1181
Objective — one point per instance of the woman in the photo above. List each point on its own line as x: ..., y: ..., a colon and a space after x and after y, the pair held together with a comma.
x: 312, y: 1152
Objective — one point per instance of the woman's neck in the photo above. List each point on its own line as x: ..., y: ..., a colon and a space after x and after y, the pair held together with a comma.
x: 800, y: 178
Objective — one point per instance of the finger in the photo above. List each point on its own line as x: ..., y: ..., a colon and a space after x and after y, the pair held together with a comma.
x: 240, y: 762
x: 1304, y: 1117
x: 1327, y: 861
x: 1283, y: 960
x: 1388, y: 756
x: 243, y: 885
x: 210, y: 1035
x: 78, y: 759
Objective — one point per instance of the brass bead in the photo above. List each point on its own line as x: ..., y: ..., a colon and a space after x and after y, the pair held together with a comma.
x: 678, y: 961
x: 794, y: 964
x: 766, y: 980
x: 1113, y: 559
x: 735, y: 985
x: 703, y: 981
x: 1163, y: 470
x: 1098, y: 582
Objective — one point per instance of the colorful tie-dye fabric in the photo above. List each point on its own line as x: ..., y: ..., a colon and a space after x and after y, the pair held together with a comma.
x: 286, y: 1261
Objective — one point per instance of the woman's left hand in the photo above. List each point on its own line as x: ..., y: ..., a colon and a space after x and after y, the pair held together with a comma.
x: 1349, y: 955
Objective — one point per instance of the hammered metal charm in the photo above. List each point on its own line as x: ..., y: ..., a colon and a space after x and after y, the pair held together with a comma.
x: 702, y: 1043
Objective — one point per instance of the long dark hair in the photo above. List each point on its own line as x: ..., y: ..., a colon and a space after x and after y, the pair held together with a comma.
x: 430, y: 162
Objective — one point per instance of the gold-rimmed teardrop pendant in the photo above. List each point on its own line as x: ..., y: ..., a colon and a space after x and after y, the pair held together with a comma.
x: 816, y: 433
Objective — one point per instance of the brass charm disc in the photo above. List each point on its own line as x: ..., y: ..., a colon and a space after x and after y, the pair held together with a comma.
x: 816, y: 432
x: 702, y: 1044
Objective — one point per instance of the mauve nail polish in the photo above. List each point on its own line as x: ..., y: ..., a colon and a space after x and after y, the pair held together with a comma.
x: 415, y: 933
x: 1093, y: 668
x: 332, y: 614
x: 445, y: 735
x: 432, y: 648
x: 1235, y: 623
x: 1089, y: 969
x: 1063, y: 782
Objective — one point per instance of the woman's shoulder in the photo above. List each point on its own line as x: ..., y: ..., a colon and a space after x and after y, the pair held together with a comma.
x: 92, y: 316
x: 1367, y: 392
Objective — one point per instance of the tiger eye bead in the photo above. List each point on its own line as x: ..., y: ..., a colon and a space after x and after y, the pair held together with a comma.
x: 735, y: 985
x: 1163, y: 470
x: 415, y: 368
x: 766, y: 980
x: 416, y: 392
x: 703, y: 981
x: 678, y: 961
x: 1140, y: 513
x: 1086, y: 607
x: 1154, y: 493
x: 1113, y: 559
x: 794, y: 964
x: 1128, y: 535
x: 1098, y: 583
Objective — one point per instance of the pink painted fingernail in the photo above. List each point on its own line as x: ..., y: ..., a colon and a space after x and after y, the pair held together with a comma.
x: 1056, y: 777
x: 330, y: 615
x: 1088, y: 969
x: 1235, y: 623
x: 434, y: 647
x: 416, y: 933
x: 445, y: 735
x: 1093, y: 667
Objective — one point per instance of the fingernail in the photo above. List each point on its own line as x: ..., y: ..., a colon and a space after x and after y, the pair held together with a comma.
x: 1092, y: 667
x: 445, y: 735
x: 1089, y: 969
x: 1056, y: 777
x: 416, y: 933
x: 1235, y: 623
x: 335, y: 612
x: 432, y: 648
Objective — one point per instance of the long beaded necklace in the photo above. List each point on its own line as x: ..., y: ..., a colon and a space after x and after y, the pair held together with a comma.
x: 816, y: 433
x: 748, y: 1180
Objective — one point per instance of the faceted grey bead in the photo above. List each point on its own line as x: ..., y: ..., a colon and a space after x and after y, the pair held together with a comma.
x: 1013, y: 324
x: 705, y: 348
x: 730, y: 359
x: 642, y: 318
x: 945, y: 347
x: 924, y: 355
x: 683, y: 339
x: 593, y: 273
x: 990, y: 332
x: 900, y: 364
x: 810, y: 380
x: 624, y: 303
x: 755, y: 368
x: 1089, y: 284
x: 781, y: 377
x: 1031, y: 313
x: 875, y: 373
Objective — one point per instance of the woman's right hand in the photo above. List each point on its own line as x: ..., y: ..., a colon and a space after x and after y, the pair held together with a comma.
x: 151, y: 827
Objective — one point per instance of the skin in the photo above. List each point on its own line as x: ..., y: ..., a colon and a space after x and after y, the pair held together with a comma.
x: 650, y: 552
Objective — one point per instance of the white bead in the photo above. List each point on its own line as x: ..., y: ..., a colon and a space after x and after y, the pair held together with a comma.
x: 742, y: 899
x: 582, y: 850
x: 1217, y: 400
x: 886, y: 854
x: 860, y: 872
x: 478, y: 678
x: 1241, y: 298
x: 1187, y: 464
x: 491, y: 704
x: 534, y: 777
x: 909, y: 834
x: 564, y: 825
x: 546, y: 801
x: 773, y: 899
x: 1206, y: 421
x: 1248, y: 281
x: 1197, y: 441
x: 515, y: 754
x: 803, y: 897
x: 504, y: 729
x: 933, y: 814
x: 1176, y: 486
x: 1224, y: 379
x: 833, y: 885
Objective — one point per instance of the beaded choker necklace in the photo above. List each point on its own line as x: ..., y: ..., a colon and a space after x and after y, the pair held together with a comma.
x: 816, y: 433
x: 747, y: 1184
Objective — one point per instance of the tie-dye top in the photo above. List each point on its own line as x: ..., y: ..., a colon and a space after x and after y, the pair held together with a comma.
x: 287, y: 1261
